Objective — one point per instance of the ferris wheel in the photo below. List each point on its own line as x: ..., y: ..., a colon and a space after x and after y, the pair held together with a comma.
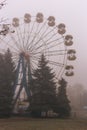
x: 30, y: 37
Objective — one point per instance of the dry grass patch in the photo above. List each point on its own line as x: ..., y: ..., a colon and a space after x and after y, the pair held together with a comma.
x: 42, y: 124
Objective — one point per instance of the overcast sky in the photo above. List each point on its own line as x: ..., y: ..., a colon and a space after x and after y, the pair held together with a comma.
x: 71, y: 12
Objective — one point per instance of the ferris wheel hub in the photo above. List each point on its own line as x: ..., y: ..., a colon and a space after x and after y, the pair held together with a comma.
x: 25, y: 55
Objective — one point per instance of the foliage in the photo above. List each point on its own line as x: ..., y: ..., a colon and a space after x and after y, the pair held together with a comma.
x: 63, y: 107
x: 43, y: 88
x: 7, y: 75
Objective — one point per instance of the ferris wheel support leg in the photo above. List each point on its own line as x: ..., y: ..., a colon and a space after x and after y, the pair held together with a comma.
x: 17, y: 74
x: 29, y: 75
x: 20, y: 89
x: 25, y: 84
x: 16, y: 84
x: 21, y: 66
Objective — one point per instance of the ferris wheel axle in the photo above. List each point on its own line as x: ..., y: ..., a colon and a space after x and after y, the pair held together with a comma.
x: 25, y: 55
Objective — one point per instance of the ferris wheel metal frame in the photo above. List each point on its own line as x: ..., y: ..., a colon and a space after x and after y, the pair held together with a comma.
x: 31, y: 36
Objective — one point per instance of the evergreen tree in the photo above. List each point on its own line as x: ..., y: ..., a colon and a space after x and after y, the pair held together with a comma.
x: 62, y: 107
x: 7, y: 75
x: 43, y: 88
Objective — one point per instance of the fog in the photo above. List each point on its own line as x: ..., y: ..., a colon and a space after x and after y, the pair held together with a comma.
x: 70, y: 12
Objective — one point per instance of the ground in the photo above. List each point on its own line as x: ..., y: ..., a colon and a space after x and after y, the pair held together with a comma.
x: 42, y: 124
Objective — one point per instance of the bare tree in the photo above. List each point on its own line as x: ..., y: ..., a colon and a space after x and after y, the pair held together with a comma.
x: 2, y: 3
x: 4, y: 28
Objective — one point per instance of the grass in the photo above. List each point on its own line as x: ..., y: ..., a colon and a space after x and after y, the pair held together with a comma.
x: 42, y: 124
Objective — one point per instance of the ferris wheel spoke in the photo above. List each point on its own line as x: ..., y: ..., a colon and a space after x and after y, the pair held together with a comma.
x: 28, y: 34
x: 48, y: 33
x: 54, y: 41
x: 8, y: 45
x: 50, y: 53
x: 48, y: 47
x: 23, y: 41
x: 60, y: 71
x: 15, y: 42
x: 51, y: 37
x: 33, y: 65
x: 64, y: 62
x: 39, y: 46
x: 56, y: 54
x: 31, y: 30
x: 40, y: 38
x: 34, y: 57
x: 19, y: 36
x: 15, y: 55
x: 43, y: 25
x: 35, y: 60
x: 48, y: 44
x: 56, y: 44
x: 56, y: 63
x: 38, y: 31
x: 35, y: 35
x: 15, y: 60
x: 55, y: 51
x: 33, y: 47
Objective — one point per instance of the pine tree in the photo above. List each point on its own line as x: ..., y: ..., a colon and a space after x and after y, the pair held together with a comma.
x: 63, y: 107
x: 43, y: 88
x: 7, y: 75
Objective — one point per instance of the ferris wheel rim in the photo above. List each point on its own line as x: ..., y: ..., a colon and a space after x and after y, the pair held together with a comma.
x: 40, y: 39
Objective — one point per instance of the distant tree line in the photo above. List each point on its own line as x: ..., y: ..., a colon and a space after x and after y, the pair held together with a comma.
x: 78, y: 96
x: 44, y: 94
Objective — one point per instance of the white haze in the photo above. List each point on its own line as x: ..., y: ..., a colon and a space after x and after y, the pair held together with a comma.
x: 70, y: 12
